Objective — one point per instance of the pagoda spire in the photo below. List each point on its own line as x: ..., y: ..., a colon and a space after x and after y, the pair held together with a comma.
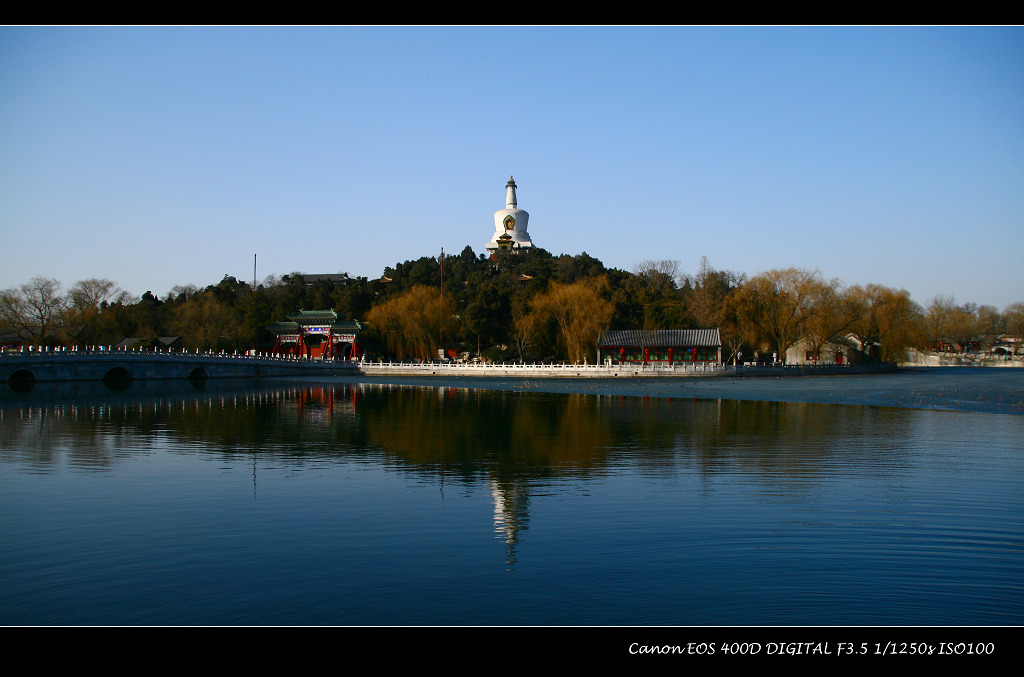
x: 510, y: 193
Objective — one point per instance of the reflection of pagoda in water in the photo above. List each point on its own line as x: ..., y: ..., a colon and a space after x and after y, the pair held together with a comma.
x: 510, y: 512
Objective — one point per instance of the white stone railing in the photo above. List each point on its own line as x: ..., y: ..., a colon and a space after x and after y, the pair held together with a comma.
x: 516, y: 368
x: 381, y: 368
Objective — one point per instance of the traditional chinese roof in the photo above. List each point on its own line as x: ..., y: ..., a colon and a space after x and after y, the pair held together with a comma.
x: 336, y: 278
x: 660, y: 338
x: 349, y: 327
x: 314, y: 316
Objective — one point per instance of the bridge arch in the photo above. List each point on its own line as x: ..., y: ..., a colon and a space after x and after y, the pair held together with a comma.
x: 118, y: 378
x: 22, y: 381
x: 198, y: 375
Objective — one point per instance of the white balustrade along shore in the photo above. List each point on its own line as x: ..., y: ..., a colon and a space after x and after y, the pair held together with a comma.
x: 319, y: 366
x: 519, y: 369
x: 597, y: 370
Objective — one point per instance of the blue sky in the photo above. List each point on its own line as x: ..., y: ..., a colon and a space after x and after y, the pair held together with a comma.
x: 157, y: 156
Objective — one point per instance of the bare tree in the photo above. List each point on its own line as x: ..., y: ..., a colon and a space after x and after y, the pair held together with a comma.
x: 709, y: 289
x: 94, y: 293
x: 182, y: 292
x: 86, y: 308
x: 34, y: 308
x: 660, y: 273
x: 946, y: 321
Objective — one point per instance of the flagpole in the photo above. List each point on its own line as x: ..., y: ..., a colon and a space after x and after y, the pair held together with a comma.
x: 442, y: 302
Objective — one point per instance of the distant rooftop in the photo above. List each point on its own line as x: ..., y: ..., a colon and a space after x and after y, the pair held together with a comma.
x: 336, y: 278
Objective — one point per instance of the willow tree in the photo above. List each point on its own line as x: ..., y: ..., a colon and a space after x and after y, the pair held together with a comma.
x: 887, y: 317
x: 205, y: 323
x: 835, y: 312
x: 578, y: 311
x: 411, y: 322
x: 782, y: 304
x: 1013, y: 319
x: 736, y: 332
x: 947, y: 321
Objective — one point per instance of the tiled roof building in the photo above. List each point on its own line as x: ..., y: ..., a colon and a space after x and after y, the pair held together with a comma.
x: 664, y: 346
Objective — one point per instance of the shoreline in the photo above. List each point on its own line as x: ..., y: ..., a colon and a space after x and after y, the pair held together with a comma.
x: 967, y: 389
x: 954, y: 389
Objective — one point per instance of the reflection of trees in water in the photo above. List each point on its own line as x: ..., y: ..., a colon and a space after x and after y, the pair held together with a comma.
x: 81, y: 435
x: 507, y: 436
x: 96, y: 430
x: 473, y: 430
x: 509, y: 442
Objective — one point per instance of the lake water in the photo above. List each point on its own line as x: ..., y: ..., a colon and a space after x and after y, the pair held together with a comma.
x: 302, y: 503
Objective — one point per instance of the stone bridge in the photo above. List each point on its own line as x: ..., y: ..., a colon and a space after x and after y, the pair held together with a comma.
x: 22, y: 369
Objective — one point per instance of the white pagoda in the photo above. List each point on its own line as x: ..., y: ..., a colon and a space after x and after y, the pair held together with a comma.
x: 510, y: 225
